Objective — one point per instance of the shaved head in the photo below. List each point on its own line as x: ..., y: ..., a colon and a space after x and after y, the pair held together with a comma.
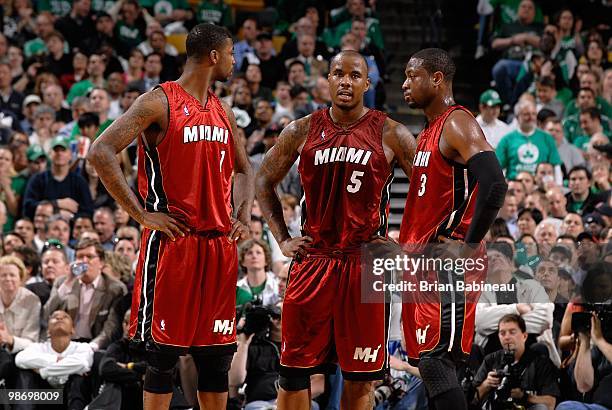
x: 349, y: 53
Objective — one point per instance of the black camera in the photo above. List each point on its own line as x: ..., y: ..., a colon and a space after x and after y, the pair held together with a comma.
x: 391, y: 391
x: 258, y: 318
x: 510, y: 376
x: 581, y: 321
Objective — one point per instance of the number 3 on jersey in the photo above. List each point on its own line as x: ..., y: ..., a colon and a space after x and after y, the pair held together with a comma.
x: 423, y: 183
x: 355, y: 184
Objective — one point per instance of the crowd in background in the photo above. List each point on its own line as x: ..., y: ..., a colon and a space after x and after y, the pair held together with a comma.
x: 69, y: 68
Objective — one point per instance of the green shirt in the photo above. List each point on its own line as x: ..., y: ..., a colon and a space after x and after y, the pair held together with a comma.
x: 242, y: 296
x: 517, y: 152
x: 18, y: 185
x: 219, y: 14
x: 59, y: 8
x: 130, y: 36
x: 508, y: 11
x: 576, y: 135
x: 602, y: 105
x: 333, y: 37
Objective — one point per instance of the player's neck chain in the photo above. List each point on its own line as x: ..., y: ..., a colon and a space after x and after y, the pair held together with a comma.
x: 345, y: 125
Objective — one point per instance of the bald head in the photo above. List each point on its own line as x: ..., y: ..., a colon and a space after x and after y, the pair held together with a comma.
x: 349, y: 54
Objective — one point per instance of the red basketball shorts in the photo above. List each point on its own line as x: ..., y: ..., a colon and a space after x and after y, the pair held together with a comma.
x: 441, y: 323
x: 324, y: 321
x: 184, y: 294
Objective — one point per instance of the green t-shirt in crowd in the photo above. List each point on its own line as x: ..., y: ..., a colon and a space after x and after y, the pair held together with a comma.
x: 58, y: 8
x: 18, y: 185
x: 576, y: 135
x: 242, y: 296
x: 517, y: 152
x: 508, y: 11
x: 333, y: 36
x: 602, y: 105
x: 219, y: 14
x: 130, y: 36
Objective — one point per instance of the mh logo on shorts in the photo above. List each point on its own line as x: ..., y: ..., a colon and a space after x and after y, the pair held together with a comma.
x: 421, y: 335
x: 224, y: 326
x: 365, y: 354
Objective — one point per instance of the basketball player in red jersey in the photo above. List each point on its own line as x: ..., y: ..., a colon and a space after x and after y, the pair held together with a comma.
x: 346, y: 165
x: 184, y: 293
x: 440, y: 334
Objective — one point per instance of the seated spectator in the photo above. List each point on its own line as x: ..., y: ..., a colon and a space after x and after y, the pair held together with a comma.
x: 250, y: 29
x: 547, y: 273
x: 57, y: 363
x: 43, y: 120
x: 526, y: 298
x: 43, y: 27
x: 591, y: 123
x: 572, y: 225
x: 570, y: 154
x: 152, y: 71
x: 538, y: 390
x: 30, y: 103
x: 263, y: 121
x: 79, y: 106
x: 81, y: 223
x: 12, y: 241
x: 283, y: 103
x: 130, y: 28
x: 20, y: 312
x: 43, y: 212
x: 99, y: 194
x: 357, y: 10
x: 25, y: 227
x: 156, y: 43
x: 547, y: 96
x: 525, y: 148
x: 58, y: 233
x: 53, y: 96
x: 124, y: 367
x: 601, y: 176
x: 89, y: 297
x: 215, y: 12
x: 259, y: 283
x: 31, y: 260
x: 314, y: 66
x: 528, y: 219
x: 590, y: 79
x: 77, y: 26
x: 296, y: 73
x: 54, y: 264
x: 580, y: 199
x: 488, y: 119
x: 116, y: 85
x: 57, y: 62
x: 12, y: 100
x: 126, y: 248
x: 321, y: 98
x: 515, y: 40
x: 95, y: 78
x: 67, y: 190
x: 271, y: 67
x: 104, y: 223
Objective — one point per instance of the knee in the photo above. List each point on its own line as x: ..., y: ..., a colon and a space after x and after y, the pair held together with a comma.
x: 158, y: 377
x: 294, y: 383
x: 212, y: 373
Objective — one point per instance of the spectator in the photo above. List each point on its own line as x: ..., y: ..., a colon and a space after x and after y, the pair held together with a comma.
x: 12, y: 241
x: 81, y: 223
x: 580, y: 199
x: 488, y: 119
x: 524, y: 148
x: 215, y: 12
x: 357, y: 10
x: 11, y: 187
x: 321, y: 98
x: 79, y: 106
x: 263, y: 120
x: 572, y: 225
x: 271, y: 67
x: 104, y: 33
x: 314, y: 66
x: 20, y: 312
x: 99, y: 194
x: 43, y: 120
x: 31, y: 260
x: 607, y: 86
x: 30, y: 103
x: 25, y: 228
x: 569, y: 153
x: 152, y: 72
x: 601, y: 176
x: 89, y: 297
x: 95, y: 78
x: 167, y: 53
x: 558, y: 203
x: 590, y: 79
x: 58, y: 232
x: 11, y: 100
x: 125, y: 367
x: 54, y: 264
x: 67, y: 190
x: 508, y: 212
x: 43, y: 212
x: 526, y: 298
x: 253, y: 76
x: 547, y: 96
x: 53, y: 96
x: 115, y: 87
x: 250, y: 29
x: 44, y: 27
x: 104, y: 223
x: 130, y: 29
x: 259, y: 282
x: 57, y: 61
x: 127, y: 248
x: 59, y: 362
x: 129, y: 96
x: 99, y: 101
x: 77, y: 73
x: 304, y: 25
x: 516, y: 40
x: 590, y: 124
x: 283, y: 103
x: 296, y: 73
x: 539, y: 389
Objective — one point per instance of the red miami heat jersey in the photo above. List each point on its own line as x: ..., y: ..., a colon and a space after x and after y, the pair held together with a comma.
x: 346, y: 179
x: 441, y: 199
x: 189, y: 172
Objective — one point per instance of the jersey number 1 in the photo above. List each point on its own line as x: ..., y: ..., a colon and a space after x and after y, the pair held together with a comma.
x: 221, y: 162
x: 355, y: 184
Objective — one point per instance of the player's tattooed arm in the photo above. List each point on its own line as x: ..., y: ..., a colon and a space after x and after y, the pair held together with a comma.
x: 274, y: 168
x: 244, y: 177
x: 149, y: 112
x: 400, y: 142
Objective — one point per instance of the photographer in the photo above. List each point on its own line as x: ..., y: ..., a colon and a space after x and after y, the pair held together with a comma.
x: 516, y: 374
x: 593, y: 367
x: 257, y: 360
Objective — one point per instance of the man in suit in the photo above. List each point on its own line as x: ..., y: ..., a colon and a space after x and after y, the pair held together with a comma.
x: 88, y: 297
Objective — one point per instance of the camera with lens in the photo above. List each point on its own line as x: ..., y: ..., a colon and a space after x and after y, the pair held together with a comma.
x: 581, y: 321
x: 258, y: 318
x: 510, y: 376
x: 391, y: 391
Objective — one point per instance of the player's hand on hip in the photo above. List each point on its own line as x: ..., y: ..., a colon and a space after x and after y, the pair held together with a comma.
x: 165, y: 223
x: 240, y: 231
x: 295, y: 247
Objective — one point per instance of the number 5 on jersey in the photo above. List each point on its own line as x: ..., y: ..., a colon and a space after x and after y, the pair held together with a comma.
x: 355, y: 184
